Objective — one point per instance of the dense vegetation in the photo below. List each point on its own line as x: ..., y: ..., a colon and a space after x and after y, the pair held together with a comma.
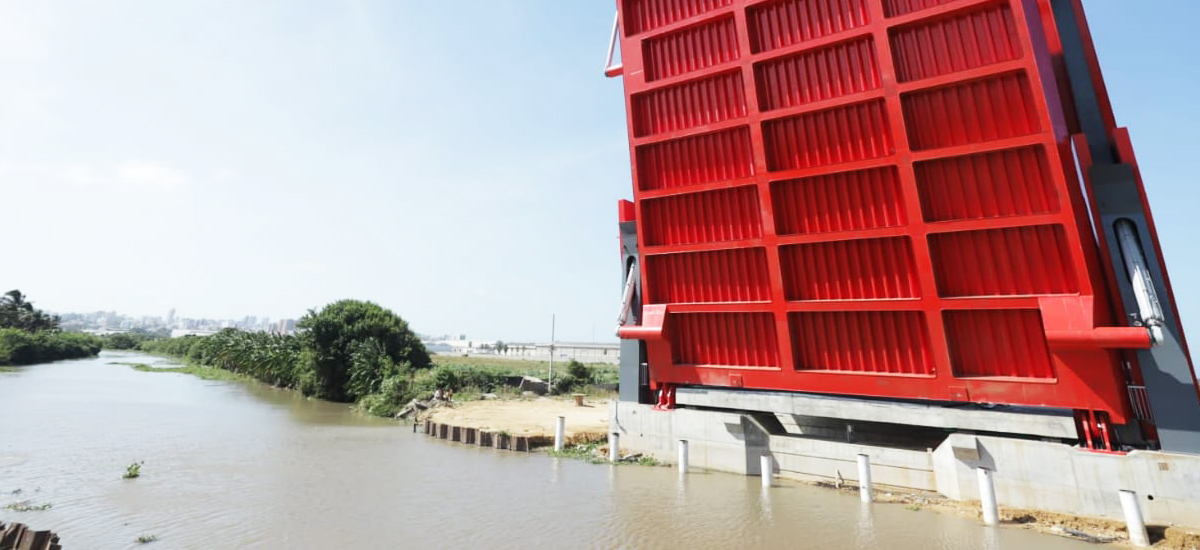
x: 352, y: 351
x: 349, y: 351
x: 132, y: 339
x: 28, y: 335
x: 19, y: 347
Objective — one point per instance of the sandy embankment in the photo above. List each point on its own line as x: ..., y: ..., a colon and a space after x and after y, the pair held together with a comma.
x: 527, y: 418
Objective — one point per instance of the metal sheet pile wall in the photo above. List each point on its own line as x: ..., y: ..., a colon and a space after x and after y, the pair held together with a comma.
x: 869, y: 197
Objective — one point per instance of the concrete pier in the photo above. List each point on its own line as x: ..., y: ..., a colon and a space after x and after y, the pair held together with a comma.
x: 683, y: 456
x: 987, y: 496
x: 864, y: 477
x: 1133, y: 519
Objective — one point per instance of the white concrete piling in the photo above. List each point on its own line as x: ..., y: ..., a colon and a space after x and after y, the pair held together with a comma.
x: 864, y: 478
x: 614, y: 446
x: 987, y: 496
x: 1133, y: 519
x: 683, y: 456
x: 765, y: 469
x: 560, y: 432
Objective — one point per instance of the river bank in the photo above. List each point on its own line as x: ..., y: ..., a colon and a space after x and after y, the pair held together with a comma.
x: 1087, y: 529
x: 528, y: 418
x: 481, y: 422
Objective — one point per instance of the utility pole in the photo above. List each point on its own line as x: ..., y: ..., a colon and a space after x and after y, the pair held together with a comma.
x: 550, y: 378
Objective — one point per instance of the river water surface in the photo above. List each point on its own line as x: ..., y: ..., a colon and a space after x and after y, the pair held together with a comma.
x: 230, y: 465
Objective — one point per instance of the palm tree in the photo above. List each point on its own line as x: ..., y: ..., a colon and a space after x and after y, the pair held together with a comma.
x: 16, y: 311
x: 14, y: 300
x: 13, y: 306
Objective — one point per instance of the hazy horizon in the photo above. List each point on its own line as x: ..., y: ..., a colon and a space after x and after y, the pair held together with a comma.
x: 456, y: 162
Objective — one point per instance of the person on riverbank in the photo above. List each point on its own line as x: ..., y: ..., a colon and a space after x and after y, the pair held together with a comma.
x: 438, y: 395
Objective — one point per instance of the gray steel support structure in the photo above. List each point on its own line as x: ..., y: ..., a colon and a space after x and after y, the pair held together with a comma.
x: 634, y: 375
x: 1165, y: 367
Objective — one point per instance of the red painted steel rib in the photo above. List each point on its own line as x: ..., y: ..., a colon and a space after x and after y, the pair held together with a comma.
x: 864, y: 197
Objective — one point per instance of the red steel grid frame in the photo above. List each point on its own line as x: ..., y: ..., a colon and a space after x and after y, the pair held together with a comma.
x: 864, y: 197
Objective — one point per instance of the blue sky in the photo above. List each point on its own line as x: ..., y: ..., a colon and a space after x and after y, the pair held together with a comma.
x: 456, y: 161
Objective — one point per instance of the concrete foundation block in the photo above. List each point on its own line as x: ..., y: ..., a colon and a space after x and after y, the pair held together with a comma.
x: 1040, y: 475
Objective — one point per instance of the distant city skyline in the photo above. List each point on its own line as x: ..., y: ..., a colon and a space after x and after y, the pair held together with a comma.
x: 113, y: 320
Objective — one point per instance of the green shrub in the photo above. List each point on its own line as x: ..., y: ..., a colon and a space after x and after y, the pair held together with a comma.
x: 486, y: 381
x: 130, y: 340
x: 19, y: 347
x: 344, y: 330
x: 578, y: 376
x: 447, y: 378
x: 394, y: 392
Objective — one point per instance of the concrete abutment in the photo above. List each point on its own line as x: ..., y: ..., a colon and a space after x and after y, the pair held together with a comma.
x: 1027, y: 473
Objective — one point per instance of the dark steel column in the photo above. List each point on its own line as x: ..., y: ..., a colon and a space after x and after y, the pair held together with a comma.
x: 634, y: 375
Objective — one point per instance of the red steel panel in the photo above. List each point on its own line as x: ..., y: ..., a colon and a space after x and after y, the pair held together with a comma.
x: 691, y: 104
x: 732, y: 275
x: 846, y: 201
x: 836, y: 136
x: 691, y: 49
x: 727, y: 339
x: 867, y: 269
x: 647, y: 15
x: 996, y: 184
x: 863, y: 197
x: 718, y: 156
x: 870, y: 342
x: 816, y: 75
x: 967, y: 40
x: 710, y: 217
x: 1013, y: 261
x: 983, y: 110
x: 779, y: 24
x: 1002, y: 343
x: 895, y: 8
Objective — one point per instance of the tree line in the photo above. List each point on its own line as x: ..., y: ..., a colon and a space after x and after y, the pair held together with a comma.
x: 29, y: 335
x: 349, y: 351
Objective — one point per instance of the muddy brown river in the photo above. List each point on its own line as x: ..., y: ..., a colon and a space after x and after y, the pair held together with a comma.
x: 232, y: 465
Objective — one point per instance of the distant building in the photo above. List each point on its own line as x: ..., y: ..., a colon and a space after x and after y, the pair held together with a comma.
x: 284, y: 326
x: 584, y: 352
x: 191, y: 332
